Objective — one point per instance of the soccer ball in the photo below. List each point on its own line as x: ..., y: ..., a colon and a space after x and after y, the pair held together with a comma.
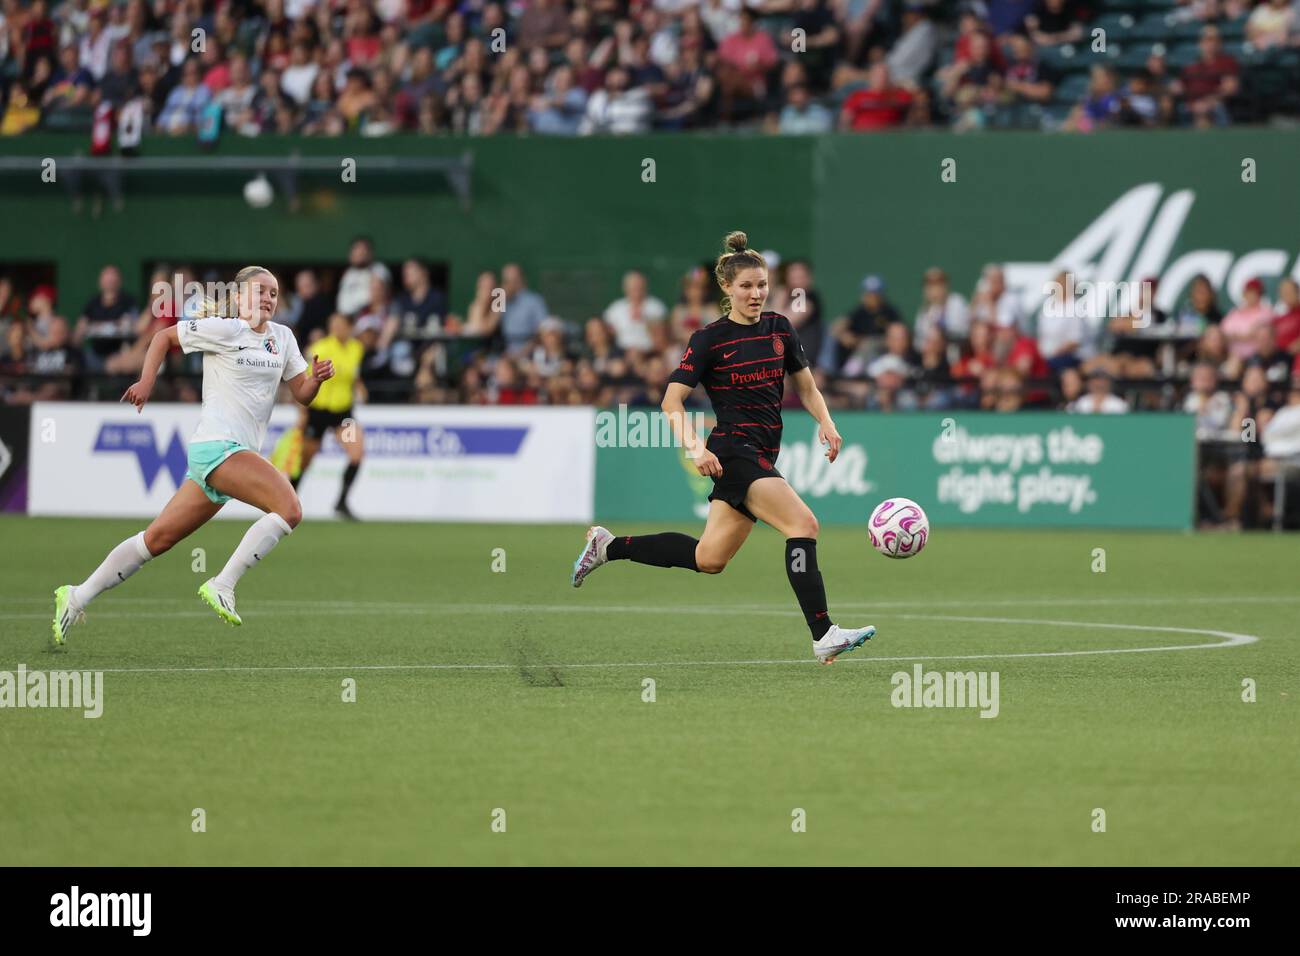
x: 898, y: 528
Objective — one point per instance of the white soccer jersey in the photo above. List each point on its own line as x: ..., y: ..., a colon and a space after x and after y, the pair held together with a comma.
x: 242, y: 370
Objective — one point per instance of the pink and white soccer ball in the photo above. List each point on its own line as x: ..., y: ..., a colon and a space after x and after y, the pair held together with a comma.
x: 898, y: 528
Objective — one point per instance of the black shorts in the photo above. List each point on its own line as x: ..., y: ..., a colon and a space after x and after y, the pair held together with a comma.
x: 742, y: 465
x: 320, y: 421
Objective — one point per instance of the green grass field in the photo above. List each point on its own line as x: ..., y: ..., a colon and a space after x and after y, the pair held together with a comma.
x: 479, y: 690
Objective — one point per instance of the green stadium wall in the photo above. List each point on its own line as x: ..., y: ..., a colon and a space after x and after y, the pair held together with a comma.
x: 577, y: 213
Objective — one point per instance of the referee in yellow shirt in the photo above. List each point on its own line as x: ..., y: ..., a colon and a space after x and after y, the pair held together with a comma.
x: 332, y: 407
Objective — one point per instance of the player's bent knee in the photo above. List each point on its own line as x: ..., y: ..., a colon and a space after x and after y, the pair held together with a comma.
x: 159, y: 542
x: 291, y: 512
x: 806, y: 527
x: 710, y: 565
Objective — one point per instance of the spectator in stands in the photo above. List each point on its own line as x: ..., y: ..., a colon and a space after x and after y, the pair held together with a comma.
x: 1271, y: 23
x: 600, y: 351
x: 71, y: 87
x: 977, y: 355
x: 616, y: 108
x: 801, y: 303
x: 120, y: 83
x: 524, y: 311
x: 558, y: 111
x: 941, y: 309
x: 1139, y: 104
x: 13, y: 321
x: 185, y: 103
x: 992, y: 302
x: 481, y: 321
x: 933, y: 373
x: 865, y: 326
x: 508, y: 386
x: 1027, y: 79
x: 974, y: 84
x: 1201, y: 308
x: 544, y: 23
x: 1211, y: 405
x: 1209, y: 83
x: 820, y: 40
x: 913, y: 54
x: 897, y: 345
x: 1099, y: 399
x: 1241, y: 322
x: 688, y: 91
x: 355, y: 288
x: 1061, y: 328
x: 1252, y: 409
x: 1053, y: 22
x: 308, y: 310
x: 1286, y: 323
x: 549, y: 356
x: 882, y: 105
x: 47, y: 342
x: 891, y: 385
x: 106, y: 324
x: 1275, y: 362
x: 802, y: 116
x: 630, y: 316
x: 695, y: 307
x: 1101, y: 106
x: 96, y: 42
x: 744, y: 59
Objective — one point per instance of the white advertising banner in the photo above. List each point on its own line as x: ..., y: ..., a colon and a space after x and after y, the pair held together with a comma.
x: 427, y: 462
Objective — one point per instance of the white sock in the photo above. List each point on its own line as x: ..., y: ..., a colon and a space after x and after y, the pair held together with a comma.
x: 122, y: 562
x: 258, y: 541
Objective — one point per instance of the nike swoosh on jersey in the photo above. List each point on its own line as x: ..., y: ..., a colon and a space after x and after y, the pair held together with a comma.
x: 727, y: 355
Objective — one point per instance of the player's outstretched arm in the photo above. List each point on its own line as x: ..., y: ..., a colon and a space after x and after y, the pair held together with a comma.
x: 305, y: 385
x: 811, y: 397
x: 163, y: 341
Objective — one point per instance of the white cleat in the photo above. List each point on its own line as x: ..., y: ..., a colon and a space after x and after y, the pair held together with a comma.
x: 840, y: 640
x: 593, y: 554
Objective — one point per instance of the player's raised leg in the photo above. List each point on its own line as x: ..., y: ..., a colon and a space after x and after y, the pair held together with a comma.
x: 774, y: 501
x: 187, y: 511
x: 250, y: 478
x: 724, y: 533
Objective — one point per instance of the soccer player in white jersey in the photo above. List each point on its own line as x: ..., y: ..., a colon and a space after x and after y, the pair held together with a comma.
x: 244, y: 361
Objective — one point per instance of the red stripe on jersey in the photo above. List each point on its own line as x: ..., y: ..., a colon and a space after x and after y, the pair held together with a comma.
x: 727, y: 388
x: 753, y: 424
x: 751, y: 338
x: 772, y: 358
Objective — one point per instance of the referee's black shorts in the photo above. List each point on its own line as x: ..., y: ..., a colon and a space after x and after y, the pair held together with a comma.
x: 742, y: 465
x: 320, y: 421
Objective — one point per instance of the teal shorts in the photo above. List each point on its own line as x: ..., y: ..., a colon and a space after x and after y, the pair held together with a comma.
x: 204, y: 456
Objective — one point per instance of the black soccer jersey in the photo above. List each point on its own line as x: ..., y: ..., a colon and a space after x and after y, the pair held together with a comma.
x: 743, y: 368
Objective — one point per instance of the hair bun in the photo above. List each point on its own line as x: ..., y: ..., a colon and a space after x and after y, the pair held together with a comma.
x: 736, y: 241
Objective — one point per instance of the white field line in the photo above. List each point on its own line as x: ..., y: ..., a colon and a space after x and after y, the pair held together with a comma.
x: 1227, y: 639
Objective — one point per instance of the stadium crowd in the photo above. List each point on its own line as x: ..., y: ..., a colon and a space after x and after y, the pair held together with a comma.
x: 1230, y: 365
x: 577, y: 67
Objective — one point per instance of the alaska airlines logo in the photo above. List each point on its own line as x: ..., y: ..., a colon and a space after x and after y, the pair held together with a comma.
x: 137, y: 438
x: 1134, y: 239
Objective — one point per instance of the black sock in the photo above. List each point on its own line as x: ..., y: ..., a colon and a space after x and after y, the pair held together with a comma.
x: 349, y: 475
x: 801, y: 569
x: 666, y: 550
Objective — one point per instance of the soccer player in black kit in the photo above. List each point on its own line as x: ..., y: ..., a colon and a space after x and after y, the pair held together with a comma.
x: 742, y: 360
